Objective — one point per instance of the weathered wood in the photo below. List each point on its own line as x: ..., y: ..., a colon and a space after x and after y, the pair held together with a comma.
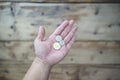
x: 63, y: 1
x: 16, y: 71
x: 6, y: 19
x: 80, y: 53
x: 20, y: 21
x: 95, y: 21
x: 92, y: 73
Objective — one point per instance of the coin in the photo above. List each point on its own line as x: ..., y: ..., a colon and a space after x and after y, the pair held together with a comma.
x: 58, y: 38
x: 56, y: 46
x: 62, y: 43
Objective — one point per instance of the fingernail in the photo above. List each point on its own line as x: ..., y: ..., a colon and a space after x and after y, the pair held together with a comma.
x: 71, y: 20
x: 40, y: 27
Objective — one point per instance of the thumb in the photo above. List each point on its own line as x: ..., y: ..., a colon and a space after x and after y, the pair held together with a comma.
x: 41, y: 33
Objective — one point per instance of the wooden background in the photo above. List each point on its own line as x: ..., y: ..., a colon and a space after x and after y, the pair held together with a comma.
x: 95, y: 55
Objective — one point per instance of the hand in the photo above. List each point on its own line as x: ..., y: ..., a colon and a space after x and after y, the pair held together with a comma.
x: 44, y: 48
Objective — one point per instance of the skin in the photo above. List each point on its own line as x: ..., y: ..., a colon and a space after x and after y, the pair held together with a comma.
x: 46, y: 55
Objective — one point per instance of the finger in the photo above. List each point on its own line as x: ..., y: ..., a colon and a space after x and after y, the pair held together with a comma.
x: 41, y: 33
x: 60, y: 28
x: 67, y: 29
x: 65, y: 48
x: 68, y: 46
x: 70, y: 35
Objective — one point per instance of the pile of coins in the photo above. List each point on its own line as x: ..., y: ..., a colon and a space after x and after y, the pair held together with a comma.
x: 59, y: 42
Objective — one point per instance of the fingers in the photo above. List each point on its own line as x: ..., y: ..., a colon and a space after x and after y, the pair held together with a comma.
x: 65, y: 48
x: 68, y: 46
x: 67, y: 29
x: 70, y: 34
x: 41, y: 33
x: 60, y: 28
x: 69, y: 39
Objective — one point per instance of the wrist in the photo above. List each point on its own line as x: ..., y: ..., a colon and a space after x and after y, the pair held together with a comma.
x: 39, y: 70
x: 42, y: 62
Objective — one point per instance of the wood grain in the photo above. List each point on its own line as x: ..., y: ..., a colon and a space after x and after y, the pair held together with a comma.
x: 80, y: 53
x: 63, y: 1
x: 17, y: 70
x: 94, y: 56
x: 95, y: 21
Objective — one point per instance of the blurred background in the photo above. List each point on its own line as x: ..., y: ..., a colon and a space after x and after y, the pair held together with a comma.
x: 95, y: 55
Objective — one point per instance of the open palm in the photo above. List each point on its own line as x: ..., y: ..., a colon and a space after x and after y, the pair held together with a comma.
x: 44, y: 48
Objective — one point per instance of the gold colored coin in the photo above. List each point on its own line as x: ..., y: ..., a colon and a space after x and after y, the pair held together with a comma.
x: 56, y: 46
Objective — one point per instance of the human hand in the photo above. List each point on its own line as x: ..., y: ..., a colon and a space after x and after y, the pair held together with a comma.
x: 44, y: 48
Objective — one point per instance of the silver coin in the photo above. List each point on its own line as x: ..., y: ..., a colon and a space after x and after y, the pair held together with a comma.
x: 58, y: 38
x: 62, y: 43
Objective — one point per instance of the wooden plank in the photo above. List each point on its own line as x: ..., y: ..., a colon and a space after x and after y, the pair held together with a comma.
x: 95, y: 21
x: 63, y: 1
x: 80, y: 53
x: 93, y: 73
x: 6, y: 19
x: 16, y: 71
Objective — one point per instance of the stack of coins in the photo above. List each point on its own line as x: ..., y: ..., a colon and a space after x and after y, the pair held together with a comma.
x: 59, y: 42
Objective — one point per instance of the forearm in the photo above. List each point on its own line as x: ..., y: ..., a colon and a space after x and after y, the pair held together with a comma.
x: 39, y: 70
